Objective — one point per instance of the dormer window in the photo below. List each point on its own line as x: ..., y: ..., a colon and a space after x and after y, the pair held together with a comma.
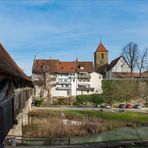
x: 45, y: 67
x: 81, y: 67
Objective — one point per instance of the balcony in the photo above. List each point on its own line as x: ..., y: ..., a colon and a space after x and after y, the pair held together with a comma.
x: 84, y: 76
x: 50, y: 78
x: 60, y: 82
x: 53, y: 79
x: 85, y: 89
x: 63, y: 88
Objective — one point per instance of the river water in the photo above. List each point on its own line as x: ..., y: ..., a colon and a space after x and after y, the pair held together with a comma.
x: 119, y: 134
x: 122, y: 134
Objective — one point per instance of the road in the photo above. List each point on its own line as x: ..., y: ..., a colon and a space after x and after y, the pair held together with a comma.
x: 144, y: 110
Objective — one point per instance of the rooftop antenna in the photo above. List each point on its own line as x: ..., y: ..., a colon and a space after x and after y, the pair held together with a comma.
x: 76, y: 58
x: 35, y: 58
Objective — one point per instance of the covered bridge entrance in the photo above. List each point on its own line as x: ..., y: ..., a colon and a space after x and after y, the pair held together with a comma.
x: 12, y: 78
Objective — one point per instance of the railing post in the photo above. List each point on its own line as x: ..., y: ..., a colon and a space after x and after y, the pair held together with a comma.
x: 49, y: 142
x: 68, y: 140
x: 22, y: 140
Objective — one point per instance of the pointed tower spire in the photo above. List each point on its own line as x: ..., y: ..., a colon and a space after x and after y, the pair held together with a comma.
x: 100, y: 55
x: 100, y: 39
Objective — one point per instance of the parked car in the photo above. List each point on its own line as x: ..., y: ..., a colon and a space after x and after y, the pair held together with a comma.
x: 129, y: 106
x: 108, y: 106
x: 103, y: 105
x: 137, y: 106
x: 98, y: 105
x: 122, y: 106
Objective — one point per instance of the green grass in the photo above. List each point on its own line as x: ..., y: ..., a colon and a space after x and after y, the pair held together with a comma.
x: 134, y: 117
x: 125, y: 116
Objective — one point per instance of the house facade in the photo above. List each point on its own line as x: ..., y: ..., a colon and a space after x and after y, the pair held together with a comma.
x: 54, y: 78
x: 118, y: 65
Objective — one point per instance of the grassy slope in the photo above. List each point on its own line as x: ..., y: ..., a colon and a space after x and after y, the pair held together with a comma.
x: 125, y: 116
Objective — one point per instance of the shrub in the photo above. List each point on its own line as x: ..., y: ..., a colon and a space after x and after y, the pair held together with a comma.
x: 84, y: 99
x: 39, y: 102
x: 61, y: 101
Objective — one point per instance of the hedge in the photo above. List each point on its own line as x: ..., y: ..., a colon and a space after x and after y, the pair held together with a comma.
x: 94, y: 98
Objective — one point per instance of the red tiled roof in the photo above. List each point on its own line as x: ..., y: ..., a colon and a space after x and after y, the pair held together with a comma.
x: 128, y: 75
x: 145, y: 74
x: 66, y: 67
x: 125, y: 75
x: 56, y: 66
x: 85, y: 66
x: 41, y: 65
x: 101, y: 48
x: 9, y: 67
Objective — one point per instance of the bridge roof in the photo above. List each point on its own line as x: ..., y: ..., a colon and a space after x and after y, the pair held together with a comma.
x: 9, y: 68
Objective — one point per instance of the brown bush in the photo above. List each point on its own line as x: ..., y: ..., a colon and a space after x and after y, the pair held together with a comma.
x: 53, y: 127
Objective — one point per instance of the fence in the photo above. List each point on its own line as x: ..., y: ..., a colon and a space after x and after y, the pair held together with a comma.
x: 69, y: 141
x: 20, y: 99
x: 6, y: 117
x: 38, y: 141
x: 10, y: 107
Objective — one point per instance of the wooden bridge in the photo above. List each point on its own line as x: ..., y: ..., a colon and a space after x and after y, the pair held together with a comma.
x: 12, y: 78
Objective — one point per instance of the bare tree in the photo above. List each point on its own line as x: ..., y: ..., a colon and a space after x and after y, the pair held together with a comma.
x: 142, y: 61
x: 45, y: 86
x: 130, y: 53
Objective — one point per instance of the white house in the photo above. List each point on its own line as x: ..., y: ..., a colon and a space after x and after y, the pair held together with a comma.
x: 118, y: 65
x: 56, y: 78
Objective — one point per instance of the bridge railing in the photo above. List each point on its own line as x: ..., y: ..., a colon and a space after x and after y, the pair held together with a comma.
x: 10, y: 107
x: 6, y: 117
x: 20, y: 99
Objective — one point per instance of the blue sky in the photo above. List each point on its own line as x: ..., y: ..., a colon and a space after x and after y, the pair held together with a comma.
x: 64, y: 29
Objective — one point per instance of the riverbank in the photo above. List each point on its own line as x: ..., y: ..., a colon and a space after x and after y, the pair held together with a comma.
x: 135, y: 117
x: 70, y: 123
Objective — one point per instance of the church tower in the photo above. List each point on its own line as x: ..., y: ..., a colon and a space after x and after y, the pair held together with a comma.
x: 100, y: 56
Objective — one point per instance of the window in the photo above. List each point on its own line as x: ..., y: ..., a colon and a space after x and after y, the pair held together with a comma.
x: 81, y: 67
x: 102, y: 56
x: 73, y: 80
x: 45, y: 67
x: 99, y: 77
